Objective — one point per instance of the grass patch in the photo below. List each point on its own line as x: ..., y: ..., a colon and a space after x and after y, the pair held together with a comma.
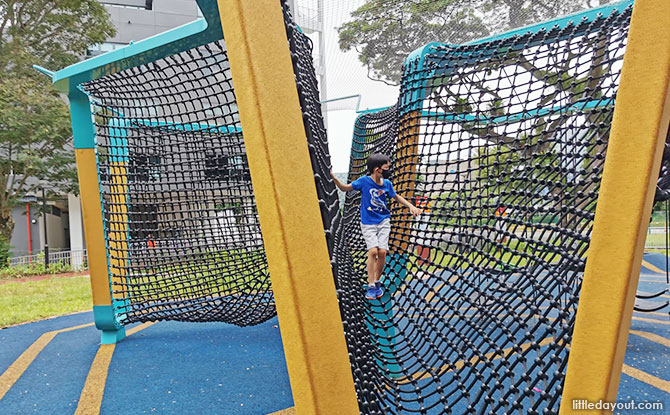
x: 211, y: 274
x: 655, y: 240
x: 21, y: 302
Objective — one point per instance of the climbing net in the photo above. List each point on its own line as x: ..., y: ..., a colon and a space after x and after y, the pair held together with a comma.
x: 181, y: 228
x: 502, y: 144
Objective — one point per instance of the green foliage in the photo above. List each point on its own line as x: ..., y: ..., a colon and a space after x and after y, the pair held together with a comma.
x: 215, y: 274
x: 658, y: 218
x: 35, y: 268
x: 501, y: 178
x: 22, y: 302
x: 35, y: 132
x: 385, y: 32
x: 4, y: 252
x: 236, y: 207
x: 55, y: 32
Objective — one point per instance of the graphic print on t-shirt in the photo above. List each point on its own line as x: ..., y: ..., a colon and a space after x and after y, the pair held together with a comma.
x: 374, y: 198
x: 377, y: 201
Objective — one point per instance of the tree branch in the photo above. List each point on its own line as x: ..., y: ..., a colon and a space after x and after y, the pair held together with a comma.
x: 377, y: 79
x: 18, y: 189
x: 19, y: 13
x: 47, y: 12
x: 47, y: 35
x: 485, y: 132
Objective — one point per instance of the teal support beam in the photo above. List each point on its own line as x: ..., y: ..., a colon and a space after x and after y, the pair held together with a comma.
x: 177, y: 40
x: 561, y: 22
x: 106, y: 322
x: 419, y: 77
x: 83, y: 129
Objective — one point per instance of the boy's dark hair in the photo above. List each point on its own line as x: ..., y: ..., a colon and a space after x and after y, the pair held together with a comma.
x: 376, y: 160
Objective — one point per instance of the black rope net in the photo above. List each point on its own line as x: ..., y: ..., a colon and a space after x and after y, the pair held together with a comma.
x: 663, y: 182
x: 502, y: 144
x: 181, y: 227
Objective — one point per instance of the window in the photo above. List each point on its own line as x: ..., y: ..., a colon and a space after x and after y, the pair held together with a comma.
x: 227, y: 168
x: 130, y: 4
x: 142, y: 220
x: 101, y: 48
x: 144, y: 168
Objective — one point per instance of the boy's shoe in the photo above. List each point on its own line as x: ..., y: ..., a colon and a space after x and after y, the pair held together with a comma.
x: 379, y: 290
x: 371, y: 293
x: 379, y: 284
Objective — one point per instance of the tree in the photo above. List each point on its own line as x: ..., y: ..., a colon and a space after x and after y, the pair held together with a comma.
x: 35, y: 132
x: 385, y: 32
x: 514, y: 163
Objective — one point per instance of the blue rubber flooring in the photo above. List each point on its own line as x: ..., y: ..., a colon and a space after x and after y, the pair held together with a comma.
x: 216, y: 368
x: 167, y: 368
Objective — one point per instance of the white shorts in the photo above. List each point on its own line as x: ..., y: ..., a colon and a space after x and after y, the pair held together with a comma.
x: 377, y: 236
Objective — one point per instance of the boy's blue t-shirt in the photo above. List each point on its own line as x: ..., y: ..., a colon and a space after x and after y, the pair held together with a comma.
x: 374, y: 206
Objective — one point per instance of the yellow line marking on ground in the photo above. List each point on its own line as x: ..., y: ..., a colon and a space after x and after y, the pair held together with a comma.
x: 90, y: 399
x: 139, y: 327
x: 438, y: 287
x: 474, y: 361
x: 287, y: 411
x: 645, y: 377
x: 652, y: 267
x: 655, y: 313
x: 652, y: 275
x: 14, y: 372
x: 651, y: 320
x: 656, y: 280
x: 431, y: 294
x: 652, y: 337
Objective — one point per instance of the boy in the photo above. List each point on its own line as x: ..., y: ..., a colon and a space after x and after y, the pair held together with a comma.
x: 375, y: 216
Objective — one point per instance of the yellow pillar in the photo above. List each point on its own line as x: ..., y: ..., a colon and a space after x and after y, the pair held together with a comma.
x: 290, y: 219
x: 639, y: 128
x: 83, y: 131
x: 92, y: 218
x: 118, y: 227
x: 406, y: 160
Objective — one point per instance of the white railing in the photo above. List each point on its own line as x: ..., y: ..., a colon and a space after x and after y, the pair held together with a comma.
x: 656, y: 238
x: 78, y: 260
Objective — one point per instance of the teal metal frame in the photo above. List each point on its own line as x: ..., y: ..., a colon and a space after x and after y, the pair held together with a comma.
x: 418, y: 60
x: 412, y: 100
x: 68, y: 80
x: 177, y: 40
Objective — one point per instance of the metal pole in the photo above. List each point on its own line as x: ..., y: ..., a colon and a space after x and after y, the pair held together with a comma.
x: 30, y: 245
x: 322, y: 60
x: 46, y: 239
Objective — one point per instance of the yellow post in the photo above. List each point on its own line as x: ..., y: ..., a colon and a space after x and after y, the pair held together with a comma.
x: 283, y: 181
x: 639, y: 128
x: 118, y: 235
x: 405, y: 175
x: 84, y: 141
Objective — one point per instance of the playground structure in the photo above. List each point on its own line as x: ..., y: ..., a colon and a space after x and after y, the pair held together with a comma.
x: 476, y: 314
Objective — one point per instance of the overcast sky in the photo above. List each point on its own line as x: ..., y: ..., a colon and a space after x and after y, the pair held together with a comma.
x: 346, y: 76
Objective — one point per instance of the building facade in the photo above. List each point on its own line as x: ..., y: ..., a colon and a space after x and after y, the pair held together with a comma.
x: 134, y: 20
